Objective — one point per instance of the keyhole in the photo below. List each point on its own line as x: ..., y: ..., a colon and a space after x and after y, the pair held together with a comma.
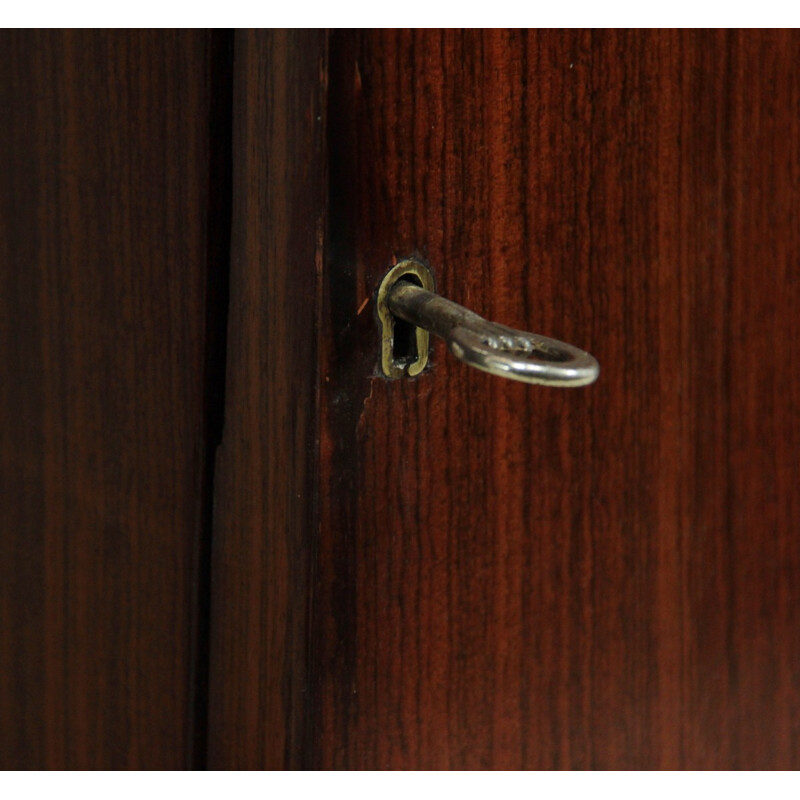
x: 404, y: 344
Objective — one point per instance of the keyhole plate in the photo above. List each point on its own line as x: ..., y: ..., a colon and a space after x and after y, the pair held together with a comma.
x: 391, y: 366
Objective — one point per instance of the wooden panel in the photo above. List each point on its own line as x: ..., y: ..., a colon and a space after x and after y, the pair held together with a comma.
x: 104, y: 158
x: 521, y: 577
x: 265, y: 510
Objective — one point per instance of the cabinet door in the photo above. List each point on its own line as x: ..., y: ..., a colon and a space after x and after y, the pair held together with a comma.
x: 449, y: 571
x: 112, y: 153
x: 457, y: 571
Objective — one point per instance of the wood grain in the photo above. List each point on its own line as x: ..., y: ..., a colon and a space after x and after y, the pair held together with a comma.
x: 104, y: 197
x: 519, y: 577
x: 265, y: 506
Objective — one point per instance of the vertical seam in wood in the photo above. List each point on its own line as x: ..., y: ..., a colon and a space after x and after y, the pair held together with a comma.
x: 218, y: 241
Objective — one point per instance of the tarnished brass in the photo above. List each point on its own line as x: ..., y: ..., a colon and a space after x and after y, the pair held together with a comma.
x: 411, y: 272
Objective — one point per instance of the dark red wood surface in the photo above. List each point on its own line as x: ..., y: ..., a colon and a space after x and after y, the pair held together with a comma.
x: 454, y: 571
x: 104, y: 197
x: 265, y: 508
x: 523, y: 577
